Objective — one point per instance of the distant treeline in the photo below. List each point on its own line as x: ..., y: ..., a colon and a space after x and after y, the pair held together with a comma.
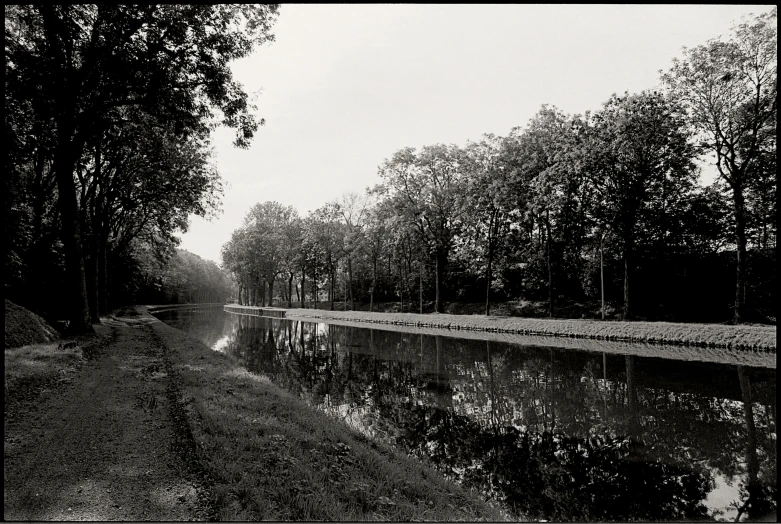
x: 185, y: 278
x: 563, y: 209
x: 108, y: 110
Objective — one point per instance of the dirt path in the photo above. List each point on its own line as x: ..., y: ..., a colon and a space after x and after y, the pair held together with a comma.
x: 103, y: 445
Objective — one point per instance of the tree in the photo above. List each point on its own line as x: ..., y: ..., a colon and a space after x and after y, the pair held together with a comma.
x: 327, y: 237
x: 429, y: 190
x: 376, y: 236
x: 236, y: 258
x: 491, y: 216
x: 266, y: 226
x: 353, y: 208
x: 544, y: 184
x: 730, y: 89
x: 640, y: 153
x: 172, y: 60
x: 292, y: 233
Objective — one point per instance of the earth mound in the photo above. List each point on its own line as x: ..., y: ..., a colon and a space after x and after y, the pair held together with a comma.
x: 23, y: 327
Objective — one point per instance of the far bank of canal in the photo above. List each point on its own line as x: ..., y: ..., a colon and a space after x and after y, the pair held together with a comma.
x: 553, y: 427
x: 742, y: 337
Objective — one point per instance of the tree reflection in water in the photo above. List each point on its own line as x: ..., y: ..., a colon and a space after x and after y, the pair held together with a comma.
x: 555, y: 434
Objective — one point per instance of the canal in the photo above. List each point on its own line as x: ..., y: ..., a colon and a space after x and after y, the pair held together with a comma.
x: 553, y: 433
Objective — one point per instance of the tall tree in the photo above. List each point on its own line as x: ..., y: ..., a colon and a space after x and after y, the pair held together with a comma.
x: 641, y: 152
x: 544, y: 183
x: 429, y: 190
x: 376, y: 235
x: 491, y: 216
x: 730, y: 90
x: 266, y: 225
x: 354, y: 208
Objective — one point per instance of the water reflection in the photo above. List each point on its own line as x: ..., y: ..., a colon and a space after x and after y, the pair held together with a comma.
x: 555, y: 434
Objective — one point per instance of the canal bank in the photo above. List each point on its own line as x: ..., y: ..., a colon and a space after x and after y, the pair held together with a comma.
x: 270, y: 456
x: 154, y: 425
x: 741, y: 337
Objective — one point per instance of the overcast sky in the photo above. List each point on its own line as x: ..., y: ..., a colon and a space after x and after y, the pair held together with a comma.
x: 345, y: 86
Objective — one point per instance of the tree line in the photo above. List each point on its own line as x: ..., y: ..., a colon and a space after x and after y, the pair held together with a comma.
x: 603, y: 206
x: 108, y: 115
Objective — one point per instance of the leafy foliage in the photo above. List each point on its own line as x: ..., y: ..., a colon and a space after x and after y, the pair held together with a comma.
x: 112, y: 109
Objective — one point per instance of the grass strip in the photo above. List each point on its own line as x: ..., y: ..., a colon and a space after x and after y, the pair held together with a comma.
x: 28, y: 369
x: 270, y: 456
x: 33, y: 368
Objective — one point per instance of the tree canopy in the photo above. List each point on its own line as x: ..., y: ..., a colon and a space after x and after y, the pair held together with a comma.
x: 111, y: 107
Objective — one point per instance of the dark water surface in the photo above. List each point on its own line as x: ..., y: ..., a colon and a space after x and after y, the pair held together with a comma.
x: 556, y: 434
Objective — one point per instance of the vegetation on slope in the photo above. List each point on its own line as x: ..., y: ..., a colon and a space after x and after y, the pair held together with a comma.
x: 23, y: 327
x: 271, y: 457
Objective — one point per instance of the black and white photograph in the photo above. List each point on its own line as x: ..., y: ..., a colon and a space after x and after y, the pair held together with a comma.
x: 390, y: 262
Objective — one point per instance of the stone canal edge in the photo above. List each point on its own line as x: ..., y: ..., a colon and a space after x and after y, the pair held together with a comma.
x: 741, y: 337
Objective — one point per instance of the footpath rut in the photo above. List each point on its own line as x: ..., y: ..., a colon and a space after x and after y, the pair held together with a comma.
x: 102, y: 446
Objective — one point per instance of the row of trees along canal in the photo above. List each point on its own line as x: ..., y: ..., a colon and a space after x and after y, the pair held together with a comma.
x: 108, y: 112
x: 537, y: 213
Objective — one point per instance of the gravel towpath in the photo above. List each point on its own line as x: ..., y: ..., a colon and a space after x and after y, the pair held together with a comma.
x: 103, y: 445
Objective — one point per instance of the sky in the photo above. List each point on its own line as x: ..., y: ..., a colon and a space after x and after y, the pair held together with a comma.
x: 344, y: 86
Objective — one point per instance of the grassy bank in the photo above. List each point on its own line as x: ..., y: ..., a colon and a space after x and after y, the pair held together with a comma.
x: 32, y: 357
x: 30, y: 368
x: 23, y: 327
x: 743, y: 337
x: 272, y: 457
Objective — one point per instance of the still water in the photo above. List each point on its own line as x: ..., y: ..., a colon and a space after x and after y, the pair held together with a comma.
x: 553, y: 433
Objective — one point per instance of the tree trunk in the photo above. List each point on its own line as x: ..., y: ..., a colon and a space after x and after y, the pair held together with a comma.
x: 602, y: 272
x: 401, y: 286
x: 740, y: 234
x: 550, y: 266
x: 374, y: 283
x: 91, y: 270
x: 441, y: 261
x: 290, y: 290
x: 350, y: 281
x: 628, y: 257
x: 271, y: 291
x: 314, y: 285
x: 78, y: 309
x: 102, y: 274
x: 303, y: 287
x: 420, y: 274
x: 331, y: 293
x: 66, y: 155
x: 626, y: 286
x: 488, y: 274
x: 91, y: 276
